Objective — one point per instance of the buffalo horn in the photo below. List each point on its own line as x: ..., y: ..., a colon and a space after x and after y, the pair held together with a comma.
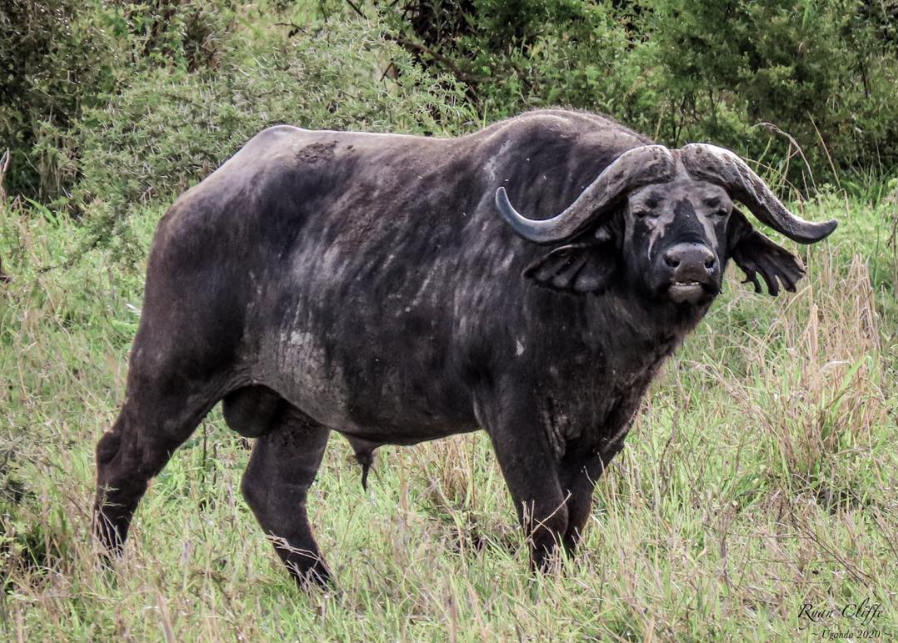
x: 718, y: 165
x: 631, y: 170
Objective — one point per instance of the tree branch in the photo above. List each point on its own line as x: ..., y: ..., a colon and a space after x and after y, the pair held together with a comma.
x: 461, y: 75
x: 356, y: 9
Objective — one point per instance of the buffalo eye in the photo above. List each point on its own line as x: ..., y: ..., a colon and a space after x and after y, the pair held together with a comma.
x: 717, y: 208
x: 646, y: 208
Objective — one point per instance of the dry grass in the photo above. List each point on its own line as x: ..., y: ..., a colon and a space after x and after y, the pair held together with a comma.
x: 814, y: 387
x: 759, y: 477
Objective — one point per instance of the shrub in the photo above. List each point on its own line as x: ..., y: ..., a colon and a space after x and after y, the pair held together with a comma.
x: 823, y: 72
x: 171, y: 127
x: 51, y: 57
x: 59, y: 58
x: 815, y: 70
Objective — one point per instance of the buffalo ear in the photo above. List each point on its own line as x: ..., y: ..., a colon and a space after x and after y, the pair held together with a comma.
x: 755, y: 253
x: 576, y: 268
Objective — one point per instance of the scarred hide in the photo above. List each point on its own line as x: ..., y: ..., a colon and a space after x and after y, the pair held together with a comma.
x: 385, y: 287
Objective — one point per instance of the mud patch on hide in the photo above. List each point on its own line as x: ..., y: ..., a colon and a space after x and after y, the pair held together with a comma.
x: 316, y: 152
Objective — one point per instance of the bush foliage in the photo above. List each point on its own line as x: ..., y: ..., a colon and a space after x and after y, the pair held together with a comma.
x: 108, y: 104
x: 742, y: 73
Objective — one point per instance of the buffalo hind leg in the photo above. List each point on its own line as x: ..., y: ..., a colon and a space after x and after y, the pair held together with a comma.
x: 276, y: 485
x: 156, y: 419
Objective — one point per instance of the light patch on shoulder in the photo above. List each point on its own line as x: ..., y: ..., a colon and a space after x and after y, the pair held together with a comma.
x: 490, y: 167
x: 519, y: 348
x: 422, y: 290
x: 306, y: 376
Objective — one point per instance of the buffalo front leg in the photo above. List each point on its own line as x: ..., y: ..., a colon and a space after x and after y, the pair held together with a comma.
x: 276, y: 485
x: 531, y: 473
x: 578, y: 478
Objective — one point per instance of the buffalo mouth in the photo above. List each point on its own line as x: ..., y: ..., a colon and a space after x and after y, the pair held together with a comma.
x: 689, y: 292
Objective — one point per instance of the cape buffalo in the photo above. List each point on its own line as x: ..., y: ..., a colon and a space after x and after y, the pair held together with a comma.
x: 383, y: 286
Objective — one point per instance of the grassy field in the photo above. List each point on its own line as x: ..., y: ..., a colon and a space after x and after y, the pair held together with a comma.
x: 760, y: 477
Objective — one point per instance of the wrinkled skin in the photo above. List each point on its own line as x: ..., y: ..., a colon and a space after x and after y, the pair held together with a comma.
x: 364, y: 284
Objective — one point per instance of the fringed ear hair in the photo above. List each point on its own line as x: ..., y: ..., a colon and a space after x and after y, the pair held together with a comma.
x: 757, y: 255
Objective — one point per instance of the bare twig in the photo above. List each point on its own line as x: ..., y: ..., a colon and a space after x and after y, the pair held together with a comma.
x: 294, y: 28
x: 770, y: 127
x: 440, y: 58
x: 386, y: 71
x: 356, y: 9
x: 826, y: 151
x: 853, y: 570
x: 4, y: 165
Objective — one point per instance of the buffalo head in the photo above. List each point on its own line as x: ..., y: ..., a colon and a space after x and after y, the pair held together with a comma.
x: 662, y: 221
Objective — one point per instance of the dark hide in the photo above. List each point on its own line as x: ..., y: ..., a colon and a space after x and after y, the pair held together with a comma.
x: 364, y: 283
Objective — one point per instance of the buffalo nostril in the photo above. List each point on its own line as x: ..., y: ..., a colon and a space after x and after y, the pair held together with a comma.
x: 690, y: 260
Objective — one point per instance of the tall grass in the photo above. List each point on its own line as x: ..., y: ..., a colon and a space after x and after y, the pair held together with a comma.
x: 814, y: 384
x: 759, y: 477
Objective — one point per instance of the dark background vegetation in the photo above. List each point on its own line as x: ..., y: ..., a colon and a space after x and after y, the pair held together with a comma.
x: 150, y: 96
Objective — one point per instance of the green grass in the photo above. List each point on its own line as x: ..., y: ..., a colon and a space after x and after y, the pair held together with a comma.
x: 759, y: 476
